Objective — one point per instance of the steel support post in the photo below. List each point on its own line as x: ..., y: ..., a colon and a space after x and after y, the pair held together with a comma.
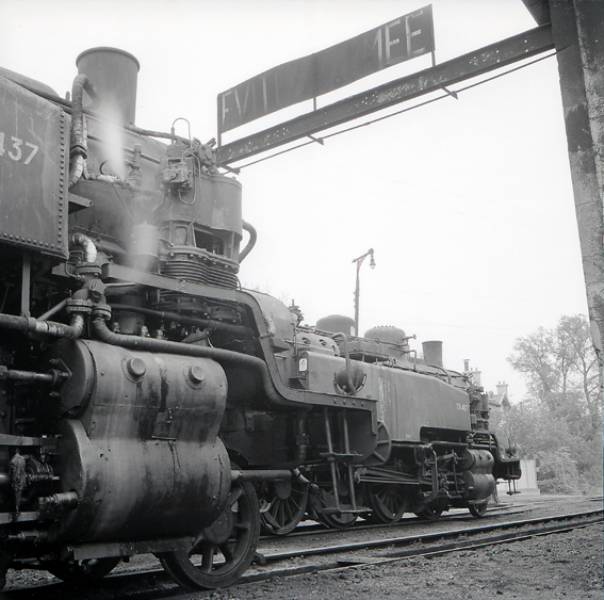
x: 578, y: 32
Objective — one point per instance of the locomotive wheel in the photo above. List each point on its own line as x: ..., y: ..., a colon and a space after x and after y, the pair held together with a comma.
x: 224, y: 550
x: 282, y: 506
x: 388, y: 503
x: 323, y: 499
x: 479, y: 509
x: 82, y: 571
x: 431, y: 512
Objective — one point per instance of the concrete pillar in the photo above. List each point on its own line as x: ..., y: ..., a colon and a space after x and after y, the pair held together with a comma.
x: 578, y: 32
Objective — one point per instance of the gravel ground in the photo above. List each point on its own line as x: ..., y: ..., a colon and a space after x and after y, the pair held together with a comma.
x: 557, y: 566
x: 562, y: 566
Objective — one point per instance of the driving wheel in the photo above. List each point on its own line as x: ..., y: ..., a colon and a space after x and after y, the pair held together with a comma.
x: 388, y: 503
x: 323, y: 499
x: 225, y: 549
x: 479, y: 509
x: 282, y: 506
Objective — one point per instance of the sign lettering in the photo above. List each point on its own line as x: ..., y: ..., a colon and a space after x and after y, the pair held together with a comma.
x: 13, y: 149
x: 396, y: 41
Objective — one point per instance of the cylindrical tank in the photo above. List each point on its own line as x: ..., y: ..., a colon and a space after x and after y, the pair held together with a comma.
x: 336, y: 324
x: 386, y: 333
x: 113, y: 73
x: 139, y: 442
x: 433, y: 352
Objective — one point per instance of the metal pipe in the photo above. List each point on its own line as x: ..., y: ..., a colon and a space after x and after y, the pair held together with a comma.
x: 351, y: 387
x: 251, y: 242
x: 27, y: 376
x: 102, y: 332
x: 50, y: 328
x: 260, y: 475
x: 90, y: 251
x: 78, y: 147
x: 53, y: 311
x: 172, y: 316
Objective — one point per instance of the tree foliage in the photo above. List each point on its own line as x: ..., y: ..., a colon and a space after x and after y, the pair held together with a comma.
x: 560, y: 422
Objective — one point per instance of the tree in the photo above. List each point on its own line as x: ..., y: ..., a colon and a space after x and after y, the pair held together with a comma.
x: 560, y: 423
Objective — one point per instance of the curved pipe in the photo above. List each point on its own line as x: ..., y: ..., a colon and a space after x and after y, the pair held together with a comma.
x: 78, y: 147
x: 351, y: 389
x: 103, y: 333
x: 83, y: 241
x: 50, y: 328
x: 171, y: 316
x: 251, y: 242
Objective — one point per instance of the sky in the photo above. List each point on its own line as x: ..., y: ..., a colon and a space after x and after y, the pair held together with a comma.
x: 467, y: 203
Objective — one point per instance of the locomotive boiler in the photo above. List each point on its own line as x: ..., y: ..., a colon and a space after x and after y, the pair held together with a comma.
x: 148, y: 404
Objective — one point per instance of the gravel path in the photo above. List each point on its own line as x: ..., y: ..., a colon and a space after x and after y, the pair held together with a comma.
x: 563, y: 566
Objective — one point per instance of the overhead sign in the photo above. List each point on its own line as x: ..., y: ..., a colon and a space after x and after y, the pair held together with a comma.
x: 396, y: 41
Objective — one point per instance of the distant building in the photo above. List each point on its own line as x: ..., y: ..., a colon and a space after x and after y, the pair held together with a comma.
x: 500, y: 399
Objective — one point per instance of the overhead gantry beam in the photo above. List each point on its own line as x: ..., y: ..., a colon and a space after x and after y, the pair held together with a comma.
x: 472, y: 64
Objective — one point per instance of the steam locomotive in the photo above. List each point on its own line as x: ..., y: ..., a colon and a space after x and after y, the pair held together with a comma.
x: 148, y: 404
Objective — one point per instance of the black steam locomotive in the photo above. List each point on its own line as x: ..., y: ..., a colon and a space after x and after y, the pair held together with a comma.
x: 150, y: 405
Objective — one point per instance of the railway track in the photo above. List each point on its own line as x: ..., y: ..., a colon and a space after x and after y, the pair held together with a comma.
x: 152, y: 584
x: 318, y: 529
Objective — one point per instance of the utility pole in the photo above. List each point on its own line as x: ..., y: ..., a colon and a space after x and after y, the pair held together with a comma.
x: 357, y: 290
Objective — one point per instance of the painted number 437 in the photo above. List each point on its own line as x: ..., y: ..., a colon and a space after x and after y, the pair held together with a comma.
x: 16, y: 149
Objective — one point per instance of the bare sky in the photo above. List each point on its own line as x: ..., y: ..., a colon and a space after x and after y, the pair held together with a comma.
x: 468, y: 202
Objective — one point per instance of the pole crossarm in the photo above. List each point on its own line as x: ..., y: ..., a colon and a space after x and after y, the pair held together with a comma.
x: 466, y: 66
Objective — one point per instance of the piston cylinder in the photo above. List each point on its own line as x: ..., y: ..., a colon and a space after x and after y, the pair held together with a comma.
x: 138, y: 443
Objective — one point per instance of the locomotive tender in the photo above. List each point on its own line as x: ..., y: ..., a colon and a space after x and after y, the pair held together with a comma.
x: 147, y: 402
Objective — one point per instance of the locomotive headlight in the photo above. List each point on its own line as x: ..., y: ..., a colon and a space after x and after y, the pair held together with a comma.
x: 303, y: 365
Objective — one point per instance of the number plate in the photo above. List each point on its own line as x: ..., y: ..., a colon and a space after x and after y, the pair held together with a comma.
x: 33, y: 171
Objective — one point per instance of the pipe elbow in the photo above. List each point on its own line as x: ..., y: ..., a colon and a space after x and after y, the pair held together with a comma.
x: 89, y: 247
x: 251, y: 230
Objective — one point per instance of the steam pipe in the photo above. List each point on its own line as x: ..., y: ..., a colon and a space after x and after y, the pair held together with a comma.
x: 90, y: 251
x: 171, y: 316
x: 344, y: 339
x: 251, y: 242
x: 103, y: 333
x: 260, y: 475
x: 78, y: 147
x: 50, y: 328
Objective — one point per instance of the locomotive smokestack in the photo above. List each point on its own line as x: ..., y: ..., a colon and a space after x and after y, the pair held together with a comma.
x: 113, y: 73
x: 433, y: 352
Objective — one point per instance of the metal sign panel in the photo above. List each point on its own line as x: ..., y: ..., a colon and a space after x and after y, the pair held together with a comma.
x: 394, y: 42
x: 33, y: 165
x: 477, y: 62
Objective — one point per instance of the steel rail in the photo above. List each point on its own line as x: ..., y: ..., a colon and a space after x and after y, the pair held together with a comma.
x: 318, y: 529
x: 430, y: 541
x: 422, y: 537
